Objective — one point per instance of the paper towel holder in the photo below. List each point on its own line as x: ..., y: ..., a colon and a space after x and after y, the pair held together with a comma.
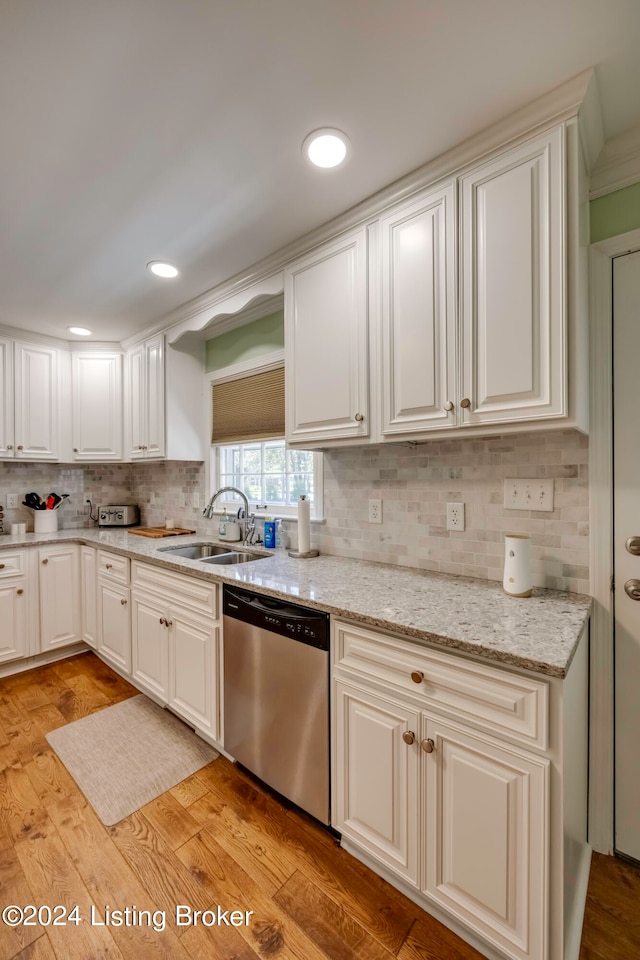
x: 304, y: 556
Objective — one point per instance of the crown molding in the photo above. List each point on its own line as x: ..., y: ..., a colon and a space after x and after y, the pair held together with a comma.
x: 234, y: 294
x: 618, y: 165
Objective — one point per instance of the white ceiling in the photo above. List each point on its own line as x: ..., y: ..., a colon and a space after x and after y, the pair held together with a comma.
x: 134, y: 130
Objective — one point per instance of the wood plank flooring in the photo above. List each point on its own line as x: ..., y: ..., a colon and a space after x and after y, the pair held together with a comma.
x: 217, y: 838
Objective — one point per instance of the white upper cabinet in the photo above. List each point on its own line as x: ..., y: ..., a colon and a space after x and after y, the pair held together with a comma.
x: 97, y: 406
x: 6, y: 398
x: 419, y: 314
x: 326, y: 342
x: 145, y: 393
x: 513, y: 285
x: 37, y: 388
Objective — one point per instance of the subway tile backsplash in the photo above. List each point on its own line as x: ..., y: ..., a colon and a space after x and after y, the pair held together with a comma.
x: 414, y: 482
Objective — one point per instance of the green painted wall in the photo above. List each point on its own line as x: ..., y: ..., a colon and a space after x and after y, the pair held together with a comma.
x: 615, y: 213
x: 245, y: 343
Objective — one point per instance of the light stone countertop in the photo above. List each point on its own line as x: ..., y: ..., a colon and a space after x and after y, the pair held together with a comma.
x: 539, y: 633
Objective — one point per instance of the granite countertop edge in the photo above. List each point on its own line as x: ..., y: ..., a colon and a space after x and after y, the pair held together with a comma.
x: 539, y: 634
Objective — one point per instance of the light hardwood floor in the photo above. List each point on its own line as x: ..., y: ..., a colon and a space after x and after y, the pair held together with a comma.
x: 216, y: 838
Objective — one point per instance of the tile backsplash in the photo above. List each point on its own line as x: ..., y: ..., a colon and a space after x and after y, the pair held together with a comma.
x: 415, y: 482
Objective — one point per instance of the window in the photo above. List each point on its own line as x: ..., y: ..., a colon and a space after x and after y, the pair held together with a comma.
x: 271, y: 477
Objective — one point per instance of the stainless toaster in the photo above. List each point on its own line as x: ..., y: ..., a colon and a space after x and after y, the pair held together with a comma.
x: 119, y: 515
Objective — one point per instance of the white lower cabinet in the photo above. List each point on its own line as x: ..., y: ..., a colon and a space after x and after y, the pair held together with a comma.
x: 485, y: 809
x: 114, y: 625
x: 13, y: 617
x: 377, y: 796
x: 149, y: 645
x: 176, y: 647
x: 465, y: 785
x: 59, y: 588
x: 89, y: 595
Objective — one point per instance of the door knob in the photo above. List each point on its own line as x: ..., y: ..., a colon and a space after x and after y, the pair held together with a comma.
x: 632, y: 544
x: 408, y: 736
x: 428, y: 746
x: 632, y: 589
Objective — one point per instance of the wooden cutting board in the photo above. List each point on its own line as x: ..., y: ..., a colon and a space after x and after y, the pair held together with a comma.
x: 158, y: 531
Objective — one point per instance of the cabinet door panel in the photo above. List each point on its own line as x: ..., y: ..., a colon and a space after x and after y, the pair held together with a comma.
x: 36, y: 394
x: 114, y: 625
x: 89, y: 595
x: 154, y: 353
x: 377, y: 778
x: 136, y: 404
x: 325, y: 319
x: 487, y: 821
x: 513, y: 282
x: 7, y: 446
x: 13, y: 618
x: 149, y: 644
x: 193, y: 664
x: 418, y: 314
x: 97, y: 406
x: 59, y: 596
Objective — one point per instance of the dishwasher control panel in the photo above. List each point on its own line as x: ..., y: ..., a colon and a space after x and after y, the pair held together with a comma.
x: 279, y: 616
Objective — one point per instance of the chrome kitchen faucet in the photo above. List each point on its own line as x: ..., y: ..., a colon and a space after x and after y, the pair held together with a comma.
x: 249, y: 519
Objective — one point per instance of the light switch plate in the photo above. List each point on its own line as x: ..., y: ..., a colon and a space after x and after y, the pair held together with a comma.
x: 528, y: 495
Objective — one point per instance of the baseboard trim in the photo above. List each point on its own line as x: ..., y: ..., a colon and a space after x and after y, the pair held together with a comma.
x: 41, y: 659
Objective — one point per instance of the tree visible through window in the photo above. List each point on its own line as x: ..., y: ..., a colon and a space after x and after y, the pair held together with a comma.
x: 267, y: 473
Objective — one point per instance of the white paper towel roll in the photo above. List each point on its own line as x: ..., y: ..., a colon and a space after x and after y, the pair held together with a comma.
x: 304, y: 525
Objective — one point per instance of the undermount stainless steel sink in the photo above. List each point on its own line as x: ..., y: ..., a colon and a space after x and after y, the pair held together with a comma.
x: 211, y: 553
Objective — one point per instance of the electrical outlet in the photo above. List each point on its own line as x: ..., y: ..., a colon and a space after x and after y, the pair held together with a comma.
x: 12, y: 501
x: 528, y: 495
x: 375, y: 511
x: 455, y: 516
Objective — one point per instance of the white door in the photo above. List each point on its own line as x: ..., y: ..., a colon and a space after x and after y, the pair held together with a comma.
x: 89, y: 595
x: 487, y: 837
x: 626, y: 462
x: 154, y: 360
x: 377, y: 777
x: 149, y: 645
x: 97, y: 406
x: 513, y: 285
x: 419, y: 314
x: 193, y: 669
x: 114, y: 625
x: 59, y: 596
x: 6, y: 399
x: 136, y: 385
x: 13, y: 618
x: 36, y: 402
x: 325, y: 306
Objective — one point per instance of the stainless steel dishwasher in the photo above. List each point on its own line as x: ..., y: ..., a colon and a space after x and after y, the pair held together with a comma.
x: 276, y: 695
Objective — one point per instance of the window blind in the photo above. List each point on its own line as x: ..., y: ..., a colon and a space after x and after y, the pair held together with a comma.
x: 249, y: 408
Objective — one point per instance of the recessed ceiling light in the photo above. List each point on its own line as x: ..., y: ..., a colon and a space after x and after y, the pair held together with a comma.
x: 162, y: 269
x: 80, y: 331
x: 326, y: 147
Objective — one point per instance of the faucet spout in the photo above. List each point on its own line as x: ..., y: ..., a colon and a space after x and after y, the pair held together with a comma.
x: 249, y: 521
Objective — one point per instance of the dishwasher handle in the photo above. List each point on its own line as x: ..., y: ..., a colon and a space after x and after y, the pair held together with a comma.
x: 306, y: 625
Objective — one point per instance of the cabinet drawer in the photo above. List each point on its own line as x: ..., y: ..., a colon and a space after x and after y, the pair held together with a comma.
x: 502, y: 703
x: 191, y: 592
x: 11, y: 563
x: 113, y: 566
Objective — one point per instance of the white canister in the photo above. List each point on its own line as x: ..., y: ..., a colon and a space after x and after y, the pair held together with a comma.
x: 517, y: 565
x: 45, y: 521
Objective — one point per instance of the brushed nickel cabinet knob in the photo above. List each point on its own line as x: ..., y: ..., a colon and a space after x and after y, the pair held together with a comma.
x: 632, y: 589
x: 359, y: 417
x: 417, y: 676
x: 448, y: 406
x: 123, y: 602
x: 409, y: 737
x: 9, y: 446
x: 1, y: 566
x: 632, y: 545
x: 20, y: 592
x: 428, y: 746
x: 20, y: 447
x: 45, y: 561
x: 465, y: 402
x: 162, y: 620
